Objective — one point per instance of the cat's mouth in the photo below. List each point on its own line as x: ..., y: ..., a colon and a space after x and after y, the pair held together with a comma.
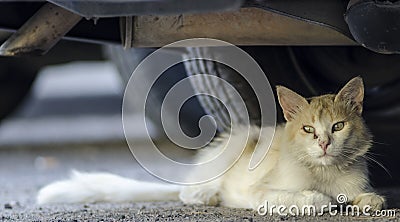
x: 326, y: 159
x: 326, y: 155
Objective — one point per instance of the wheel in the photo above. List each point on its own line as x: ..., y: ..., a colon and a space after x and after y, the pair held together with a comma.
x: 127, y: 60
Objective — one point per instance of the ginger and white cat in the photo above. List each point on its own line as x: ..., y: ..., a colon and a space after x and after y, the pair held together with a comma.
x: 318, y: 154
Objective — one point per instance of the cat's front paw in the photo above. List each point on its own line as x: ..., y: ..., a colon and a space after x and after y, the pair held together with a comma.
x: 375, y: 201
x: 199, y: 195
x: 317, y: 199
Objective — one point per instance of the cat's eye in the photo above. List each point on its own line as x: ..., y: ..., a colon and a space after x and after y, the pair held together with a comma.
x: 308, y: 129
x: 337, y: 126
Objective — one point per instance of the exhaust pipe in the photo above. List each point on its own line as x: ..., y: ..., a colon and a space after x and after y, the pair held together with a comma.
x: 41, y: 32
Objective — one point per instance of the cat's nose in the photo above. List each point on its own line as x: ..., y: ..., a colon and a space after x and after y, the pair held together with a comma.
x: 324, y: 144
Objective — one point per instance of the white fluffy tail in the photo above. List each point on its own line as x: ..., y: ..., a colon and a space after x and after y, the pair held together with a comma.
x: 105, y: 187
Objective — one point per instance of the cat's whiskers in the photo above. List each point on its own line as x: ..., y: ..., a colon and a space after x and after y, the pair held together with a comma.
x: 354, y: 152
x: 345, y: 153
x: 377, y: 163
x: 373, y: 154
x: 302, y: 157
x: 348, y: 159
x: 380, y: 143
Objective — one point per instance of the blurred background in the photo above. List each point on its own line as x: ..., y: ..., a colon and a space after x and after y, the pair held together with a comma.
x: 76, y: 102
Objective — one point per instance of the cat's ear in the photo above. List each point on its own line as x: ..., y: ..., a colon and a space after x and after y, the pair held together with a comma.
x: 291, y: 102
x: 352, y: 94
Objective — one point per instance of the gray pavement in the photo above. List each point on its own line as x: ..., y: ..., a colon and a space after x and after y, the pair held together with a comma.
x: 24, y: 170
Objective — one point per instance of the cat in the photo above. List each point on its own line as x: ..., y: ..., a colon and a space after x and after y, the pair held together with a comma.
x: 316, y: 155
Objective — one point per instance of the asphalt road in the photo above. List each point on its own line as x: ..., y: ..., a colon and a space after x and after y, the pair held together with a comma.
x: 24, y: 170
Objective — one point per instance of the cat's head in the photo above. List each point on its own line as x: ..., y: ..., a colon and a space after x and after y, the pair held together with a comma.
x: 328, y: 129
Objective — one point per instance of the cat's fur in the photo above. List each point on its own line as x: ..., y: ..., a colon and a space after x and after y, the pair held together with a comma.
x: 300, y: 168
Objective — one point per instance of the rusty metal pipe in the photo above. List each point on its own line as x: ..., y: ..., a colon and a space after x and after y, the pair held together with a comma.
x: 247, y: 26
x: 41, y: 32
